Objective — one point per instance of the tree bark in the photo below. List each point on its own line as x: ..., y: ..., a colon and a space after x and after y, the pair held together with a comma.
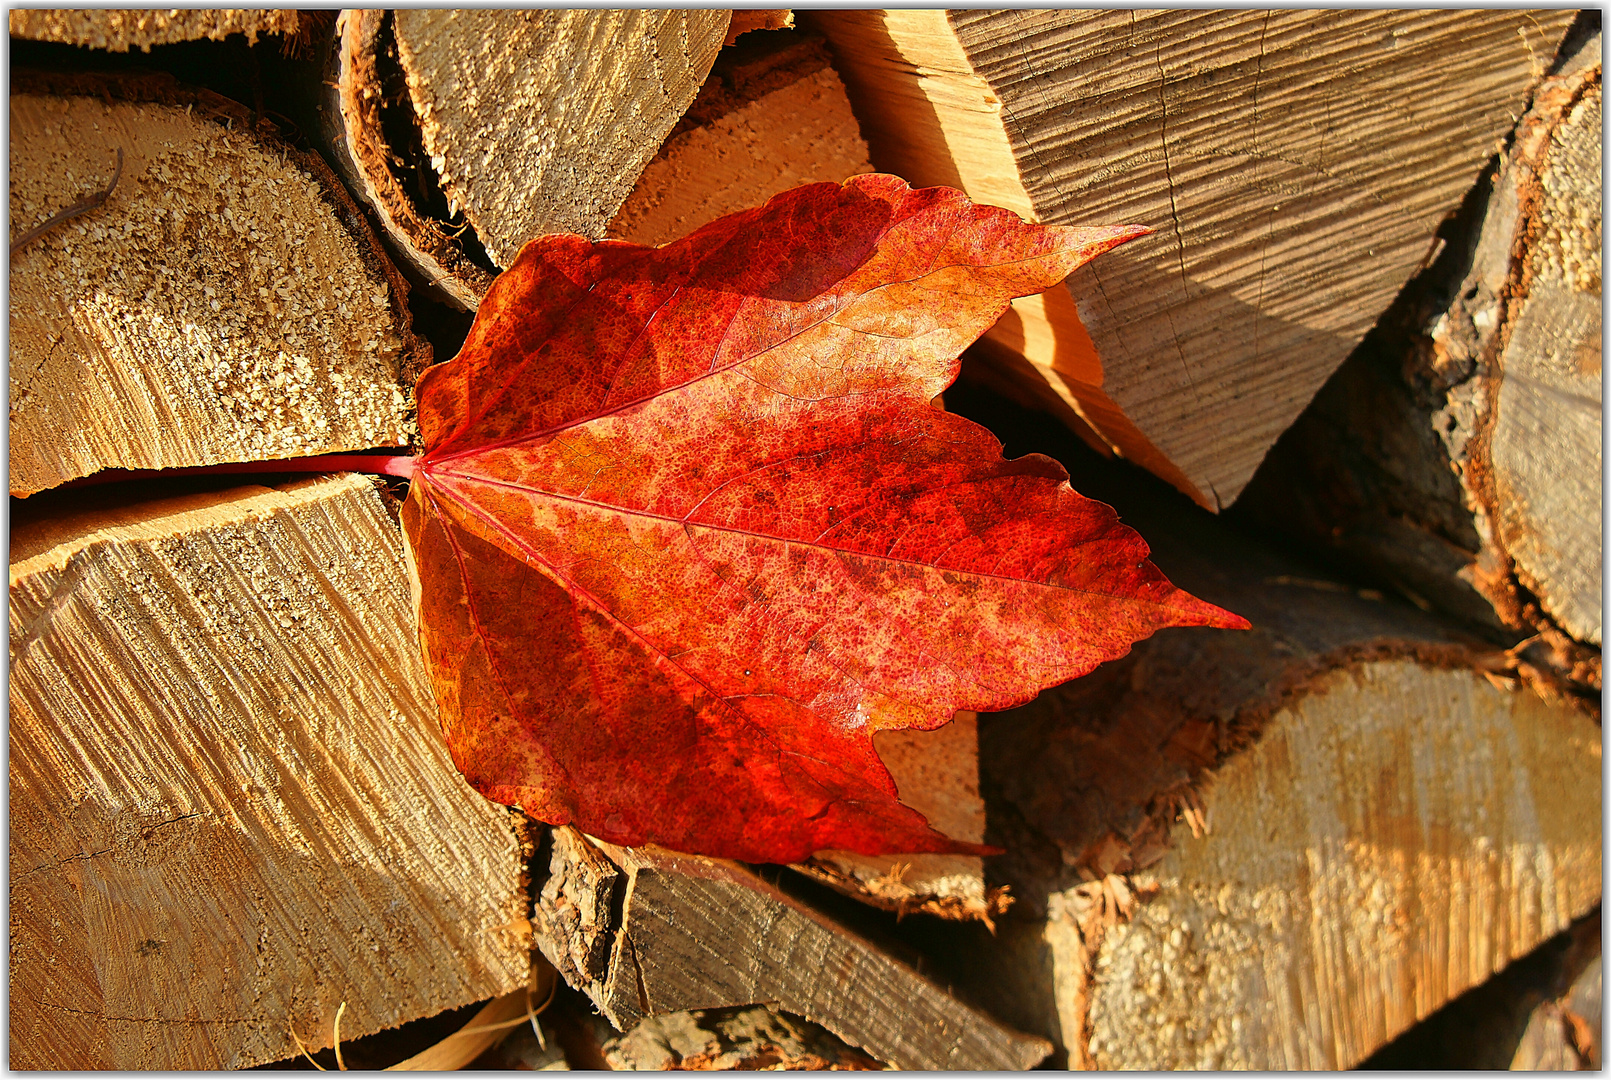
x: 231, y: 807
x: 527, y: 123
x: 747, y: 1038
x: 1293, y: 165
x: 234, y: 312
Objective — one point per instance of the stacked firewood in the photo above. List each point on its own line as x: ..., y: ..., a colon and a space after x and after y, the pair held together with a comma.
x: 1348, y: 387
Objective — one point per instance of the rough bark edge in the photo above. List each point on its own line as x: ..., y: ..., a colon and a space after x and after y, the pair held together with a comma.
x: 746, y: 1038
x: 746, y: 19
x: 1578, y: 669
x: 1431, y: 372
x: 1109, y: 896
x: 160, y: 88
x: 361, y: 151
x: 602, y: 961
x: 1115, y: 854
x: 903, y: 901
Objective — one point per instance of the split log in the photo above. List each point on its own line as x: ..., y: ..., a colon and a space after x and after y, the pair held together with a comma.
x: 226, y: 302
x: 748, y: 1038
x: 1294, y: 166
x: 772, y: 115
x: 1457, y: 455
x: 1395, y: 837
x: 645, y: 931
x: 232, y: 809
x: 528, y: 122
x: 937, y: 774
x: 1390, y: 816
x: 1519, y: 1019
x: 141, y: 28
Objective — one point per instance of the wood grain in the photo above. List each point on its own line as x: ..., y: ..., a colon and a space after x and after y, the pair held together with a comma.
x: 937, y: 774
x: 1293, y: 166
x: 1406, y: 813
x: 1394, y: 838
x: 540, y: 121
x: 120, y: 31
x: 231, y: 807
x: 783, y: 120
x: 225, y: 304
x: 685, y: 932
x: 1456, y: 456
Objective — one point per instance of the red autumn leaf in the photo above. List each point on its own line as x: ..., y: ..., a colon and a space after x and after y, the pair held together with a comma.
x: 687, y: 529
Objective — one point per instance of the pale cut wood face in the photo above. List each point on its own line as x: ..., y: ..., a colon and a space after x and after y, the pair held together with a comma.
x: 1457, y: 455
x: 120, y: 31
x: 1292, y: 165
x: 937, y: 773
x: 1394, y: 838
x: 202, y: 315
x: 540, y: 121
x: 231, y: 806
x: 801, y: 133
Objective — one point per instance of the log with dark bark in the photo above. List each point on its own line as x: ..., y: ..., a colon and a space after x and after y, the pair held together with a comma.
x: 429, y: 115
x: 645, y: 932
x: 745, y: 1038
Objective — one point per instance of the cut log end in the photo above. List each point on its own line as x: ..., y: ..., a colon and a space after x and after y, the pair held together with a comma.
x: 1273, y: 253
x: 771, y: 117
x: 120, y: 31
x: 1346, y: 845
x: 476, y: 79
x: 231, y: 808
x: 226, y: 314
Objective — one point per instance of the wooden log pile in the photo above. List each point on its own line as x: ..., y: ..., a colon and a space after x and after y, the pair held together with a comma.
x: 1368, y: 315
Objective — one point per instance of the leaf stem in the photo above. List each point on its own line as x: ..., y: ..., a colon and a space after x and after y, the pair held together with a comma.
x: 401, y: 466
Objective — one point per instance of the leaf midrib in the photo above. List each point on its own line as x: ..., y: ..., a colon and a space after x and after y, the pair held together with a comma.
x: 463, y: 499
